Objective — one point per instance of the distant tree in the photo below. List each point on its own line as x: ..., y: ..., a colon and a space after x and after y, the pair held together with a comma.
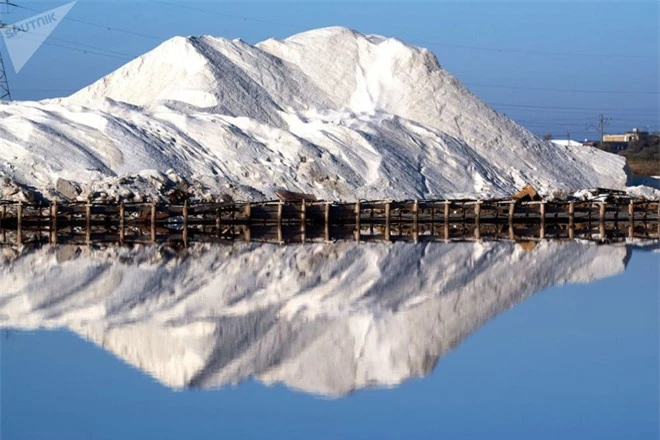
x: 547, y: 136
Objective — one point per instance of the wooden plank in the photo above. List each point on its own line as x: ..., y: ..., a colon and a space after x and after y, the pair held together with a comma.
x: 326, y: 218
x: 446, y: 220
x: 512, y: 211
x: 415, y: 210
x: 387, y: 220
x: 477, y: 219
x: 153, y: 222
x: 88, y: 222
x: 218, y: 222
x: 122, y: 223
x: 303, y: 220
x: 358, y: 213
x: 185, y: 222
x: 53, y: 222
x: 542, y: 214
x: 19, y: 222
x: 631, y: 218
x: 601, y: 222
x: 571, y: 220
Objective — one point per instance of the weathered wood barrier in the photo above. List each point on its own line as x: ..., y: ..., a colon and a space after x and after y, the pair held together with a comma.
x: 307, y: 221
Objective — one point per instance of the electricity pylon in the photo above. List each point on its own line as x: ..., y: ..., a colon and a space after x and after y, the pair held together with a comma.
x: 5, y: 95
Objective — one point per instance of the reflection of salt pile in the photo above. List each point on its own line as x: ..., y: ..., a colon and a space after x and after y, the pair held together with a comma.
x: 331, y: 112
x: 326, y: 319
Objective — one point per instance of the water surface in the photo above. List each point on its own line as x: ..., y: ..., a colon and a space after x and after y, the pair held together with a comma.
x: 461, y: 340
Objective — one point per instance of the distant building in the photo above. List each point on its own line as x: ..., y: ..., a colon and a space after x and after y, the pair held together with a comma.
x: 628, y: 136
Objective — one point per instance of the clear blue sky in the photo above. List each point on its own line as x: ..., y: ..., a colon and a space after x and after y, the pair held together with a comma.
x: 552, y: 66
x: 573, y: 362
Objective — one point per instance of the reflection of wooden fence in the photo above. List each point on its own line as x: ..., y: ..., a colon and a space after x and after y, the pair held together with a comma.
x: 278, y: 222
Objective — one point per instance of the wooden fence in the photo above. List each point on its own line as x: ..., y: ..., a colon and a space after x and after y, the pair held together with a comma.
x: 310, y: 221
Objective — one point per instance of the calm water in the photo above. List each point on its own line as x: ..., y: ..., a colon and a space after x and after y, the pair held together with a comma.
x: 557, y: 340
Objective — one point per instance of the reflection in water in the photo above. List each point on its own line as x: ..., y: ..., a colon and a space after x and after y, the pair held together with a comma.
x: 324, y: 318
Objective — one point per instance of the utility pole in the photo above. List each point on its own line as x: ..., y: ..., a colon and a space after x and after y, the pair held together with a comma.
x: 569, y: 137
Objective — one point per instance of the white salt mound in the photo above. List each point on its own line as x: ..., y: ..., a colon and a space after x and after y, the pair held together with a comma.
x: 331, y: 111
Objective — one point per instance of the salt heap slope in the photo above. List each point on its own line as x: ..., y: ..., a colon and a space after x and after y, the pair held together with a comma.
x: 330, y: 111
x: 324, y: 318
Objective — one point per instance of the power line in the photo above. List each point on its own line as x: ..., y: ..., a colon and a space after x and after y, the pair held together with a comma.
x: 104, y: 27
x: 546, y: 89
x: 424, y: 42
x: 70, y: 45
x: 298, y: 27
x: 572, y: 108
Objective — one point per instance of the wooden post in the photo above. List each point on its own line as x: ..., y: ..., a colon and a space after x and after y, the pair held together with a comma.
x: 432, y: 220
x: 153, y: 221
x: 248, y: 212
x: 387, y: 220
x: 53, y: 222
x: 247, y: 233
x: 218, y: 222
x: 571, y: 220
x: 303, y: 220
x: 233, y: 219
x: 631, y: 219
x: 415, y: 210
x: 122, y: 221
x: 542, y: 212
x: 327, y: 221
x: 477, y: 220
x: 601, y: 222
x: 88, y: 222
x: 4, y: 217
x: 39, y: 214
x: 371, y: 220
x: 358, y: 212
x: 446, y: 215
x: 19, y: 222
x: 185, y: 222
x: 512, y: 210
x: 279, y: 222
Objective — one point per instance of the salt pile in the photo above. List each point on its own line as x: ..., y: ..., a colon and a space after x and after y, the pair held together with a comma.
x: 331, y: 112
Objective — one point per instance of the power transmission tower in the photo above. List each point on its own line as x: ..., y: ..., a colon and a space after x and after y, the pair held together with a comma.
x: 5, y: 95
x: 602, y: 122
x: 601, y: 127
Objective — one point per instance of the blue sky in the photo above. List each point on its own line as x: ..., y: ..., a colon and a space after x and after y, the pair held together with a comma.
x: 552, y: 66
